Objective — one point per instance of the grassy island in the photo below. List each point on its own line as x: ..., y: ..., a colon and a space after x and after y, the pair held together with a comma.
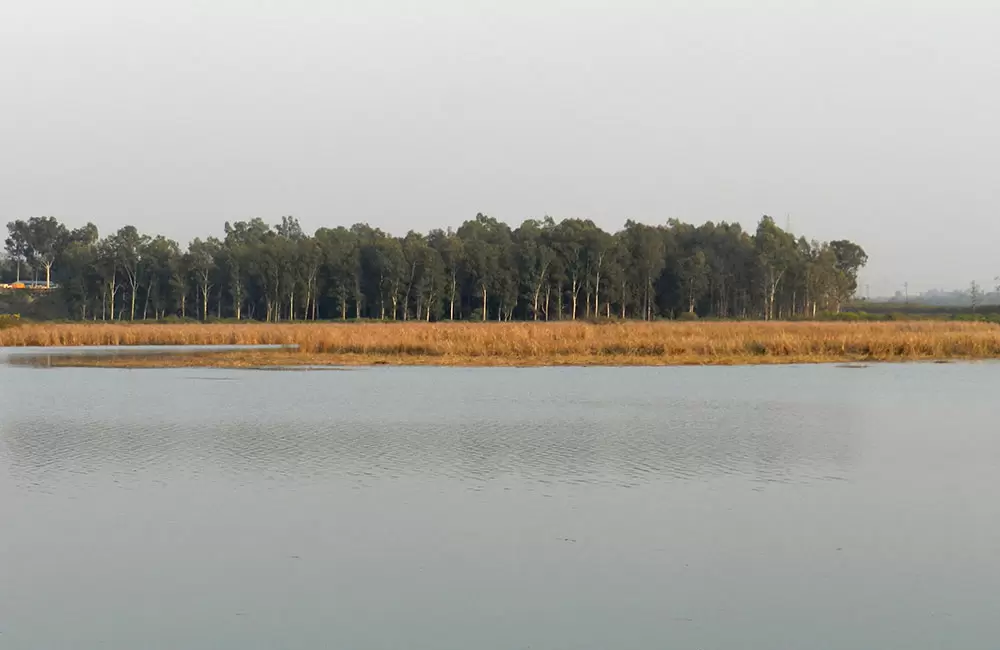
x: 519, y: 344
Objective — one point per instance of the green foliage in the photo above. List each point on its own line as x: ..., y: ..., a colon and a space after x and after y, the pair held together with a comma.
x: 484, y: 270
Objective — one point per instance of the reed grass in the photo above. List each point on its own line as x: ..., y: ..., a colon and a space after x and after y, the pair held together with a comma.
x: 532, y: 344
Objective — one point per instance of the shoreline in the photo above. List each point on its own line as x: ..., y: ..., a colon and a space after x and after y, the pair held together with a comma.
x: 564, y: 343
x: 306, y: 362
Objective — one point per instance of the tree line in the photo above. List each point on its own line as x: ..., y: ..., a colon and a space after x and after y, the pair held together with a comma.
x: 484, y: 270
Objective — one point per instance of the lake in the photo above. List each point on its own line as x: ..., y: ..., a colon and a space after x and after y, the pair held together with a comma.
x: 791, y: 507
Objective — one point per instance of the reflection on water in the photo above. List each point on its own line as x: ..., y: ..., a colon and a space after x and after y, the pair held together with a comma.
x: 49, y: 357
x: 498, y: 508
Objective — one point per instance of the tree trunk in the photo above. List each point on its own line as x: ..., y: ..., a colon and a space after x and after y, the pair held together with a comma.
x: 484, y: 303
x: 574, y: 288
x: 597, y: 294
x: 645, y: 301
x: 406, y: 298
x: 111, y: 297
x: 451, y: 315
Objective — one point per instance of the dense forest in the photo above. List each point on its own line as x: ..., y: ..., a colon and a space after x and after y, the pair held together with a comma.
x: 540, y: 270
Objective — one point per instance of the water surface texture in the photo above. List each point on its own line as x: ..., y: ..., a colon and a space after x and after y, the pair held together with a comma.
x: 496, y: 509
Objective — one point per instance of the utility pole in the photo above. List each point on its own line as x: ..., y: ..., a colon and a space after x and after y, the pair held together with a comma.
x: 906, y: 293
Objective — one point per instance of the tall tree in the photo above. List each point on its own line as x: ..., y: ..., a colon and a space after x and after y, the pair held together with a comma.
x: 17, y: 244
x: 46, y: 238
x: 694, y: 278
x: 128, y: 246
x: 483, y: 270
x: 775, y: 254
x: 534, y: 257
x: 485, y: 242
x: 646, y: 252
x: 160, y: 257
x: 451, y: 250
x: 850, y: 259
x: 341, y: 270
x: 201, y: 263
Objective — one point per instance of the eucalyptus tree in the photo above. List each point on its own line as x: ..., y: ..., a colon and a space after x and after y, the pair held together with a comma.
x: 160, y: 256
x: 17, y: 244
x: 390, y: 264
x: 568, y: 240
x: 83, y: 281
x: 451, y: 250
x: 43, y: 240
x: 341, y: 268
x: 775, y: 254
x: 432, y: 284
x: 243, y: 241
x: 128, y: 246
x: 599, y: 246
x: 106, y: 265
x: 486, y: 244
x: 424, y: 271
x: 483, y: 270
x: 200, y: 263
x: 694, y: 278
x: 309, y: 260
x: 850, y: 259
x: 645, y: 249
x: 534, y: 255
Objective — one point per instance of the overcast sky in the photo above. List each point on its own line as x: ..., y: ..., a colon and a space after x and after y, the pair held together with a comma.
x: 871, y: 120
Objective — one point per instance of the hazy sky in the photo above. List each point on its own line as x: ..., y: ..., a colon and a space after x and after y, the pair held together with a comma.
x: 875, y: 121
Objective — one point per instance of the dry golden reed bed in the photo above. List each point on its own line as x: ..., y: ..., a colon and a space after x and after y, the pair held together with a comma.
x: 531, y: 344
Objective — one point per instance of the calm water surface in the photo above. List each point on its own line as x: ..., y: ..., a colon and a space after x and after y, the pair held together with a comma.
x: 481, y: 509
